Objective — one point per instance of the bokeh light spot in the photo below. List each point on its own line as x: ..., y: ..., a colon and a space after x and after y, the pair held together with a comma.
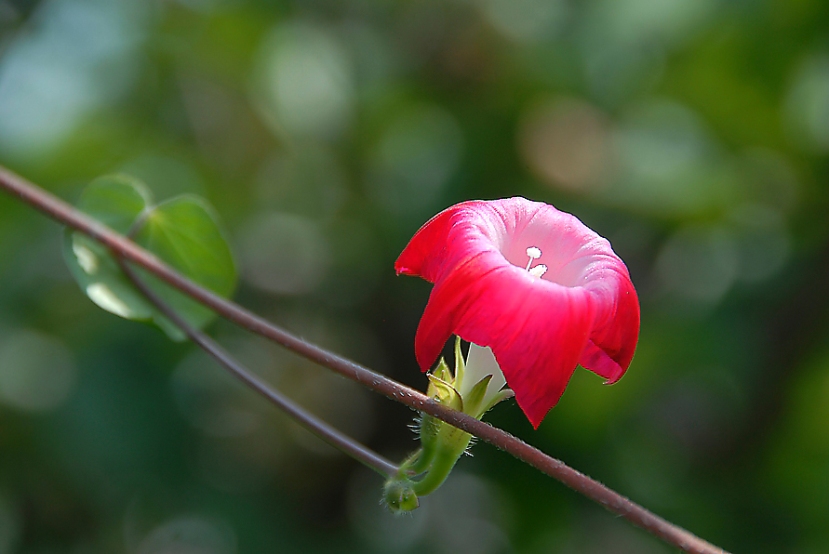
x: 37, y: 373
x: 103, y: 296
x: 566, y: 144
x: 283, y: 253
x: 526, y: 20
x: 86, y: 258
x: 807, y: 105
x: 190, y: 535
x: 304, y: 81
x: 79, y: 55
x: 698, y: 264
x: 416, y: 155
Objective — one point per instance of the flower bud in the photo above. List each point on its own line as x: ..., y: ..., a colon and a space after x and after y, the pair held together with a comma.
x: 399, y: 496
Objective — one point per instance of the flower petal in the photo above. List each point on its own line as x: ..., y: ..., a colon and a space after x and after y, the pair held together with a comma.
x: 610, y: 349
x: 421, y: 257
x: 583, y: 310
x: 537, y: 349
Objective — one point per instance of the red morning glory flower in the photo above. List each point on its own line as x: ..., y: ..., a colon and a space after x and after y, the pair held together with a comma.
x: 532, y: 283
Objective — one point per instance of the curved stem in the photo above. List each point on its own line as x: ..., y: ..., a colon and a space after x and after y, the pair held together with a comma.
x: 421, y: 463
x: 318, y: 427
x: 442, y: 463
x: 610, y: 499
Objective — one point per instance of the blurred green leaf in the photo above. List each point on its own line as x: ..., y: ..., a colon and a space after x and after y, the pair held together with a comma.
x: 115, y: 201
x: 183, y: 231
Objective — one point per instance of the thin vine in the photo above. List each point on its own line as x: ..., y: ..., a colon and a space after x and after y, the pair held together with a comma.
x: 122, y: 247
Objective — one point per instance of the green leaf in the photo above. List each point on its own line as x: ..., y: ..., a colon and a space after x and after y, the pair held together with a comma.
x: 183, y: 232
x: 116, y: 201
x: 99, y: 276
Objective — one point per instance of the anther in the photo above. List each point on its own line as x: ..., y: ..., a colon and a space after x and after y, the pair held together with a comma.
x: 534, y: 253
x: 538, y: 270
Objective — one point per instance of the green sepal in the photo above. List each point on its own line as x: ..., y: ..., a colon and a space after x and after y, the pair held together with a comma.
x: 445, y: 393
x: 452, y: 439
x: 460, y: 364
x: 476, y: 396
x: 503, y: 394
x: 442, y: 372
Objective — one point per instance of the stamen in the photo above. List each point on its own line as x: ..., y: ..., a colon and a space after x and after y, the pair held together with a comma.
x: 538, y: 270
x: 534, y: 253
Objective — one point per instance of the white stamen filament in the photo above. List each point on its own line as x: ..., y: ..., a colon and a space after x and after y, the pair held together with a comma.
x: 534, y: 253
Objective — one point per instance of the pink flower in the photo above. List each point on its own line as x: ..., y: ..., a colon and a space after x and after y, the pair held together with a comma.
x: 543, y: 291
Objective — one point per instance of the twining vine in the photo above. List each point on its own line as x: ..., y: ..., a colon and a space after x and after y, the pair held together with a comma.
x: 124, y: 249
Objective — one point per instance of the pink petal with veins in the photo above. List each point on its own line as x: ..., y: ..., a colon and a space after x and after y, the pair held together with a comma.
x: 583, y: 309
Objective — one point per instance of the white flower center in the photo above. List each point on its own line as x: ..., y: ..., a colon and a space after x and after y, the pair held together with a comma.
x: 534, y: 253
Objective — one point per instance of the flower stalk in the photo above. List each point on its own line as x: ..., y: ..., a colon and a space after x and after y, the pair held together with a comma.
x: 442, y: 444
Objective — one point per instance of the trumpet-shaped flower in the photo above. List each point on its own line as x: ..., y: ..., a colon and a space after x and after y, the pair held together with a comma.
x: 533, y: 284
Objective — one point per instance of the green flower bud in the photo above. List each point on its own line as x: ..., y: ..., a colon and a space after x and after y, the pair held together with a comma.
x: 399, y: 496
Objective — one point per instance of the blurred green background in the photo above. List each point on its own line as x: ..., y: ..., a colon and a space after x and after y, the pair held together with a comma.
x: 694, y: 134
